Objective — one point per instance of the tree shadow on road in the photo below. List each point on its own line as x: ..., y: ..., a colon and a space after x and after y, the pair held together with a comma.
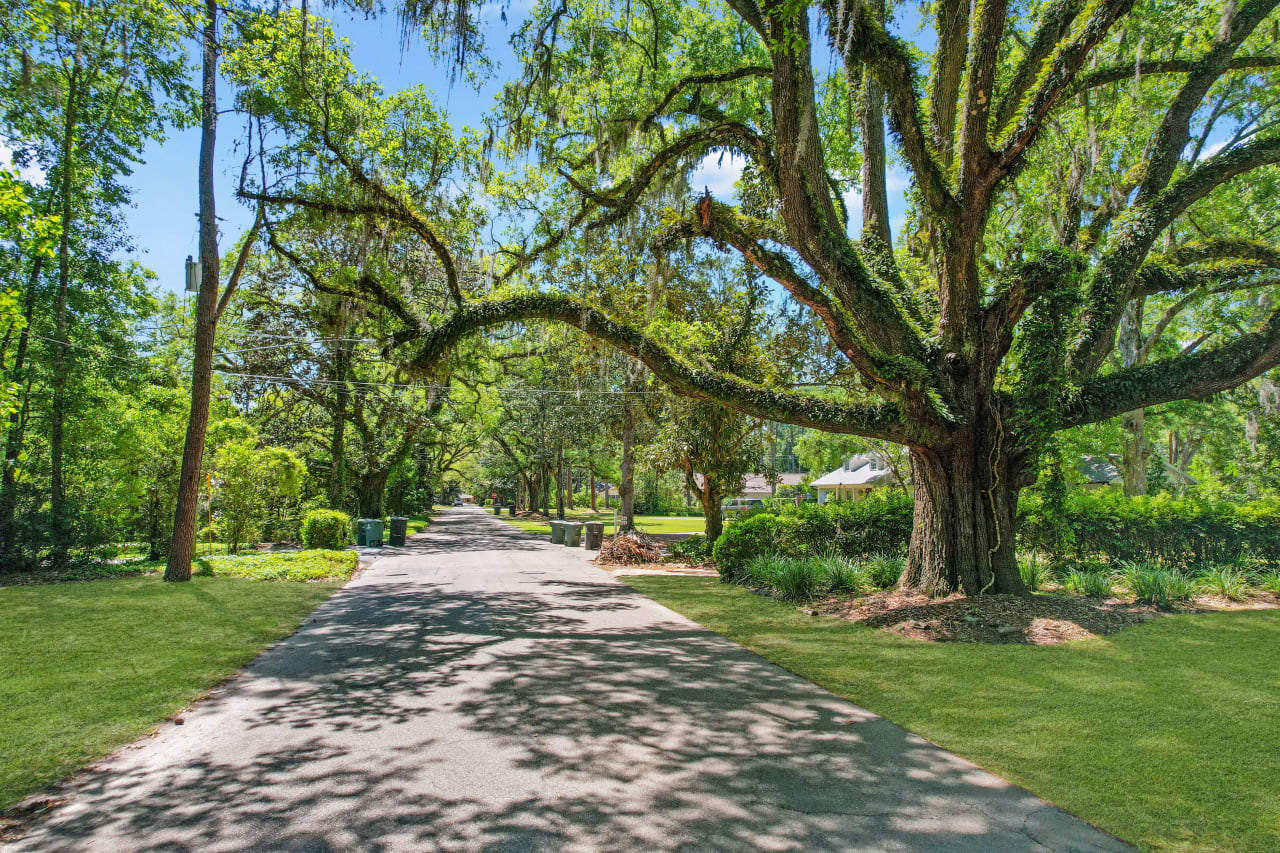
x: 573, y: 722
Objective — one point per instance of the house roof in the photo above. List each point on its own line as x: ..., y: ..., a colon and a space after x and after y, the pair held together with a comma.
x: 1103, y: 469
x: 758, y: 484
x: 862, y: 470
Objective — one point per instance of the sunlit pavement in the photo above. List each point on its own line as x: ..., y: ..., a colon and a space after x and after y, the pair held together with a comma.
x: 481, y: 689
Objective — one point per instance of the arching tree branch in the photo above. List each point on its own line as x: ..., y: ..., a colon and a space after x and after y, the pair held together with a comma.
x: 1192, y: 376
x: 882, y: 422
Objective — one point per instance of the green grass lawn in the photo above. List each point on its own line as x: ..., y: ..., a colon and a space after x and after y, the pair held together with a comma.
x: 88, y: 667
x: 1166, y: 735
x: 647, y: 523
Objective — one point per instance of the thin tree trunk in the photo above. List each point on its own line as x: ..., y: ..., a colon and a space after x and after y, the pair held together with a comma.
x: 338, y: 437
x: 627, y: 486
x: 709, y: 497
x: 569, y: 487
x: 559, y: 485
x: 182, y: 543
x: 59, y: 533
x: 1136, y: 453
x: 9, y: 557
x: 591, y: 473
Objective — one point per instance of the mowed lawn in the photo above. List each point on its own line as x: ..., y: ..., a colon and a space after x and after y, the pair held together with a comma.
x: 88, y: 667
x: 1166, y: 734
x: 647, y: 523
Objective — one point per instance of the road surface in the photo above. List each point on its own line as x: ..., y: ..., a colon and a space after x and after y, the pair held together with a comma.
x: 483, y: 690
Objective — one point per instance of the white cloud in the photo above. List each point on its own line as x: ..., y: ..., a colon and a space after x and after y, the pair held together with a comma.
x: 1212, y: 149
x: 718, y: 173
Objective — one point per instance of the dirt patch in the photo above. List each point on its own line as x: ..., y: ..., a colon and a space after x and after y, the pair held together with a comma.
x: 1039, y: 620
x: 664, y: 569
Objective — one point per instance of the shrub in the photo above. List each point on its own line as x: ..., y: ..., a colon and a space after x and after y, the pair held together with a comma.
x: 1151, y: 584
x: 1035, y: 574
x: 1092, y: 584
x: 842, y: 574
x: 1228, y: 582
x: 883, y: 570
x: 880, y: 524
x: 1270, y: 582
x: 325, y: 529
x: 693, y: 549
x: 743, y: 540
x: 208, y: 533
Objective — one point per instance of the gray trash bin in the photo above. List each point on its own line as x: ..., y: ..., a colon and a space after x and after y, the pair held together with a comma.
x: 497, y: 508
x: 572, y: 534
x: 399, y: 529
x: 369, y: 532
x: 594, y: 535
x: 557, y: 532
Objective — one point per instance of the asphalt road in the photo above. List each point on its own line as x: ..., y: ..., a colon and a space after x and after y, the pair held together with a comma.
x: 483, y: 690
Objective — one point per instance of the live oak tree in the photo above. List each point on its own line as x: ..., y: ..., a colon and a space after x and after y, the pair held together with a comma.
x: 970, y: 351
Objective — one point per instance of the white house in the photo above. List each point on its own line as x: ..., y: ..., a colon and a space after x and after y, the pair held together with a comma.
x: 855, y: 479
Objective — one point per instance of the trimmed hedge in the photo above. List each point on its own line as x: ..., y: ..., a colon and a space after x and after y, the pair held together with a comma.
x: 881, y: 524
x: 326, y: 529
x: 1179, y: 532
x: 1172, y: 531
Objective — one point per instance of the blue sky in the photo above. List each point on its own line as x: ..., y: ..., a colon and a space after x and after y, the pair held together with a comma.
x: 163, y: 218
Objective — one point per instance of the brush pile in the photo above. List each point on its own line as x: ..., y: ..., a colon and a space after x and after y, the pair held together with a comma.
x: 630, y: 549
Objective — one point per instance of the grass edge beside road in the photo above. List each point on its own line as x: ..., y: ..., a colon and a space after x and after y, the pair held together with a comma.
x: 1163, y: 735
x: 89, y: 667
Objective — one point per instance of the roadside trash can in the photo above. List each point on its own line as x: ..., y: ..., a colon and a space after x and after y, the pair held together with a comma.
x: 557, y: 532
x: 497, y: 508
x: 572, y: 534
x: 399, y: 527
x: 369, y: 532
x: 511, y: 510
x: 595, y: 535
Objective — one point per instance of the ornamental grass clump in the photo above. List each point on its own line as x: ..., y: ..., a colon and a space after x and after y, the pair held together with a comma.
x: 1151, y: 584
x: 1035, y: 574
x: 1091, y: 584
x: 787, y: 577
x: 1226, y: 581
x: 842, y: 574
x: 883, y: 570
x: 1270, y: 583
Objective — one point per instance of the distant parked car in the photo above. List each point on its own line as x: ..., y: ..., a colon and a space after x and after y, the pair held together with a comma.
x: 457, y: 501
x: 737, y: 507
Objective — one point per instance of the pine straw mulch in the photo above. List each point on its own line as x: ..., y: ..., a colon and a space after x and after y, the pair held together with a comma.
x: 1039, y: 620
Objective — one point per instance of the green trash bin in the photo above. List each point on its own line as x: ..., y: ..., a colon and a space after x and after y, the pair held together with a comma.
x: 572, y: 534
x: 557, y: 532
x: 497, y: 508
x: 511, y: 510
x: 369, y: 532
x: 594, y: 537
x: 399, y: 528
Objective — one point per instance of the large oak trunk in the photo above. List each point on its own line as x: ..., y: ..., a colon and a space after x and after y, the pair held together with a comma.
x: 963, y: 538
